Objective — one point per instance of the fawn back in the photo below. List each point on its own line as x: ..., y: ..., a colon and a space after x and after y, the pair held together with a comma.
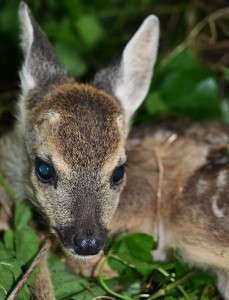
x: 177, y: 191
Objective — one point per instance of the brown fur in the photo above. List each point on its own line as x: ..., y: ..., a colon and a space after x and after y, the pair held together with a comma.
x: 197, y: 155
x: 88, y: 118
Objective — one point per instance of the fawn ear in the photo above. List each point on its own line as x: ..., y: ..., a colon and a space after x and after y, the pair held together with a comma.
x: 129, y: 81
x: 41, y: 66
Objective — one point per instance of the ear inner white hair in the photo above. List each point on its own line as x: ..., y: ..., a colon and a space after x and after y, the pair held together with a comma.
x: 136, y: 68
x: 129, y: 80
x: 27, y: 81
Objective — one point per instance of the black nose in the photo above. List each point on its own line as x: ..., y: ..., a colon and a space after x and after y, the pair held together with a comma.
x: 87, y: 246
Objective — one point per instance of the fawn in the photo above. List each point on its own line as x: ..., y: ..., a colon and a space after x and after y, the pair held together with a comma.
x: 67, y: 155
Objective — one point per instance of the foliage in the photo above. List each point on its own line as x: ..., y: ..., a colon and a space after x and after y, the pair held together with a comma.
x: 18, y: 246
x: 183, y: 88
x: 190, y: 81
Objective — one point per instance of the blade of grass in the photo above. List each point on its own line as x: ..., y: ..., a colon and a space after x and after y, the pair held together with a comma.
x: 162, y: 292
x: 106, y: 288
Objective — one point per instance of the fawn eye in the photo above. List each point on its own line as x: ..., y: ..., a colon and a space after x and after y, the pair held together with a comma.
x: 118, y: 175
x: 44, y: 171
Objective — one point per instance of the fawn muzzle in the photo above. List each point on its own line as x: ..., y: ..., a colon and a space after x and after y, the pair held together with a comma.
x: 88, y: 246
x: 83, y: 242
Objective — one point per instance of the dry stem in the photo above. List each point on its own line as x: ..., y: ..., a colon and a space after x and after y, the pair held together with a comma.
x: 40, y: 256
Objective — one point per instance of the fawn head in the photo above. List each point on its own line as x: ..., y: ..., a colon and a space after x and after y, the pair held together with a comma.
x: 74, y: 134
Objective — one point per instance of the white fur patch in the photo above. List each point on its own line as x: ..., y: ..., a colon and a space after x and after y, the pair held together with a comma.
x: 222, y: 179
x: 27, y: 81
x: 218, y: 212
x: 202, y: 187
x: 160, y: 253
x: 52, y: 116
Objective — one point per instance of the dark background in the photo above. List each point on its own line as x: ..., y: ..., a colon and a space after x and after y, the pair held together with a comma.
x: 192, y: 74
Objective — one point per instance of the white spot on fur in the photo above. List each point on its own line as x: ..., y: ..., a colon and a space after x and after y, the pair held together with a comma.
x: 219, y: 213
x: 202, y: 186
x: 137, y: 63
x: 222, y: 179
x: 52, y: 116
x: 172, y: 138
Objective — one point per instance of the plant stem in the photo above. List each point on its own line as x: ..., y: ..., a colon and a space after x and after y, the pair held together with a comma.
x: 164, y: 290
x: 21, y: 283
x: 106, y: 288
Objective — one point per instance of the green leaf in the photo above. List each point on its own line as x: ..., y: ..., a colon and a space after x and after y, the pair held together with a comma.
x: 154, y: 103
x: 65, y: 283
x: 26, y: 244
x: 6, y: 253
x: 86, y: 295
x: 90, y: 29
x: 184, y: 88
x: 134, y: 250
x: 10, y: 271
x: 8, y: 239
x: 22, y: 215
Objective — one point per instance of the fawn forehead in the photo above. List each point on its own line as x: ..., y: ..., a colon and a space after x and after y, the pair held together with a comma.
x: 83, y: 124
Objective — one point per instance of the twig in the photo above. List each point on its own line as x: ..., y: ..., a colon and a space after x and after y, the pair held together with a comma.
x: 41, y: 254
x: 172, y: 285
x: 90, y: 290
x: 194, y: 33
x: 159, y: 189
x: 105, y: 287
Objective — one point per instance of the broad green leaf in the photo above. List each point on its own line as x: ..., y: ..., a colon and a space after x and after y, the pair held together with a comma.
x: 135, y: 250
x: 26, y: 244
x: 195, y: 97
x: 184, y: 61
x: 8, y: 239
x: 6, y: 253
x: 184, y: 88
x: 85, y: 294
x: 22, y: 215
x: 3, y: 293
x: 10, y: 272
x: 65, y: 283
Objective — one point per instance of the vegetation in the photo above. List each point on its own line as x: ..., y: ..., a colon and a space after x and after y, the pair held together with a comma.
x: 191, y: 81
